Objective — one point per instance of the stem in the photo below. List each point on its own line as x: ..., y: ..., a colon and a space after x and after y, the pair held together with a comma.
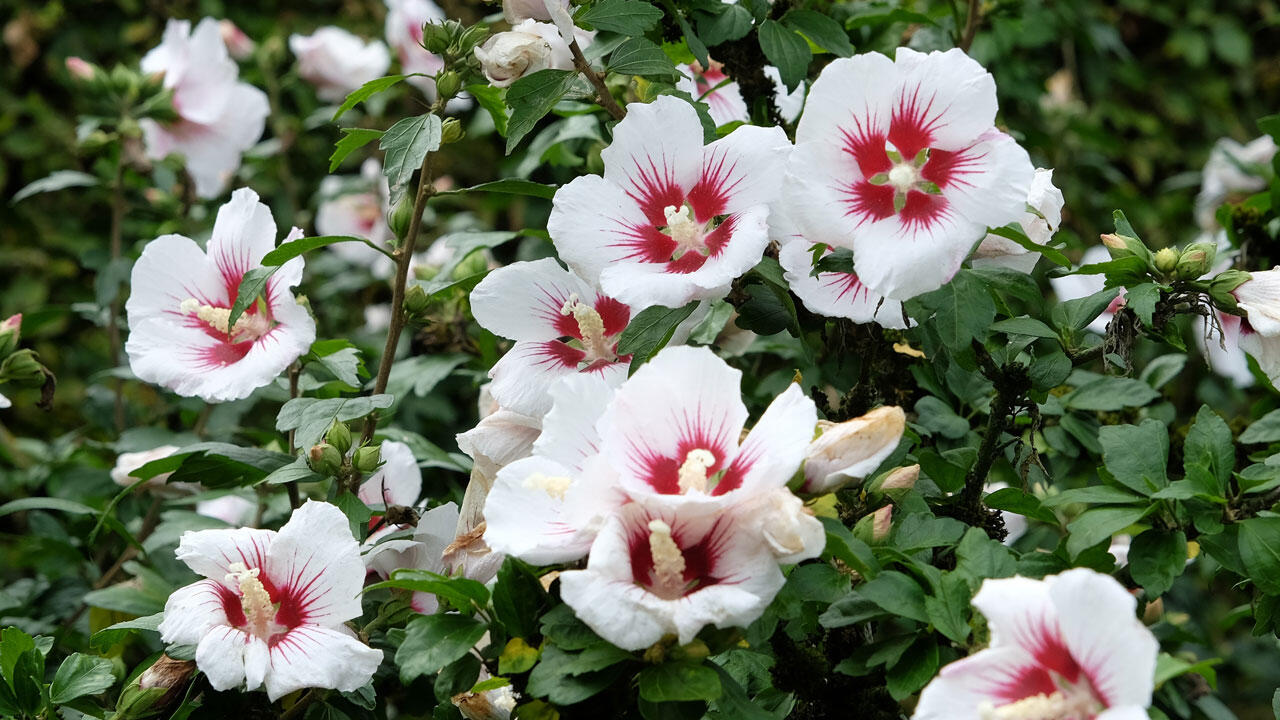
x: 1011, y: 387
x: 404, y: 255
x: 113, y: 320
x: 970, y: 26
x: 148, y: 526
x: 295, y: 498
x: 603, y: 96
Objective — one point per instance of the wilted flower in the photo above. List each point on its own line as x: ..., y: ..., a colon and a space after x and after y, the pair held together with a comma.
x: 829, y: 293
x: 338, y: 62
x: 1068, y: 646
x: 1232, y: 170
x: 525, y: 49
x: 900, y: 161
x: 671, y: 220
x: 427, y: 550
x: 561, y: 324
x: 711, y: 86
x: 271, y: 609
x: 495, y: 704
x: 181, y: 301
x: 1039, y: 223
x: 218, y: 117
x: 850, y: 451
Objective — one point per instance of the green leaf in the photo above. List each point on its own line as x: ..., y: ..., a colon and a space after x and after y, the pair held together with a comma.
x: 463, y: 244
x: 1259, y: 545
x: 46, y: 503
x: 1107, y: 394
x: 821, y: 29
x: 1160, y: 371
x: 294, y: 248
x: 650, y: 331
x: 352, y: 139
x: 639, y: 56
x: 897, y: 594
x: 559, y: 677
x: 251, y: 287
x: 531, y: 97
x: 563, y: 628
x: 80, y: 675
x: 1014, y: 232
x: 106, y: 637
x: 920, y: 531
x: 56, y: 180
x: 492, y: 100
x: 948, y: 608
x: 406, y: 145
x: 341, y: 359
x: 518, y: 598
x: 626, y: 17
x: 311, y: 417
x: 366, y: 91
x: 433, y: 641
x: 1210, y: 446
x: 675, y: 681
x: 978, y: 558
x: 517, y: 657
x: 1265, y: 429
x: 1137, y: 455
x: 914, y: 668
x: 786, y: 50
x: 1025, y: 326
x: 937, y: 418
x: 962, y: 309
x: 1142, y: 300
x: 507, y: 186
x: 1020, y: 503
x: 733, y: 23
x: 1098, y: 524
x: 1156, y: 559
x: 1078, y: 313
x: 846, y: 547
x: 462, y: 593
x: 421, y: 374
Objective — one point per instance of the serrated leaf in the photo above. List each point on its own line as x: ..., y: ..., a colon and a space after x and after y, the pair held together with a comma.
x: 1137, y: 455
x: 252, y: 285
x: 639, y: 56
x: 626, y: 17
x: 1265, y: 429
x: 650, y: 331
x: 733, y: 23
x: 366, y: 91
x: 492, y: 100
x: 507, y: 186
x: 1108, y: 394
x: 676, y: 681
x: 787, y: 51
x: 312, y: 417
x: 1098, y: 524
x: 1156, y: 559
x: 531, y: 97
x: 294, y: 248
x: 1259, y: 545
x: 406, y: 145
x: 1014, y: 232
x: 352, y: 139
x: 433, y: 641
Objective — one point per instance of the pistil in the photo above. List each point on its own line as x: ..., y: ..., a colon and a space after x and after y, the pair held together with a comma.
x: 668, y: 561
x: 554, y: 485
x: 693, y: 472
x: 686, y: 231
x: 259, y: 612
x: 590, y: 329
x: 248, y: 326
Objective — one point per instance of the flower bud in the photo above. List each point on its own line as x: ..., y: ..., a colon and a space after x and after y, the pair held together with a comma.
x: 416, y: 300
x: 10, y: 334
x: 881, y: 523
x: 509, y: 56
x: 447, y: 85
x: 23, y: 367
x: 1222, y: 287
x: 1195, y: 260
x: 1153, y: 612
x: 324, y: 459
x: 451, y: 130
x: 903, y: 478
x: 476, y: 262
x: 366, y: 459
x: 470, y: 38
x: 81, y: 69
x: 1166, y: 259
x: 238, y: 44
x: 155, y: 689
x: 851, y: 450
x: 339, y: 436
x: 401, y: 216
x: 436, y: 37
x: 1123, y: 246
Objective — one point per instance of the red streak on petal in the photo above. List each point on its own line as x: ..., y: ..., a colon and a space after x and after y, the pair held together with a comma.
x: 614, y: 314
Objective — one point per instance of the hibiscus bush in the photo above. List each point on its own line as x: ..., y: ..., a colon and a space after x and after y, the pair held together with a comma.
x: 641, y: 359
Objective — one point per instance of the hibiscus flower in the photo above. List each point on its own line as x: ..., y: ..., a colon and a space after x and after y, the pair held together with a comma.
x: 337, y: 62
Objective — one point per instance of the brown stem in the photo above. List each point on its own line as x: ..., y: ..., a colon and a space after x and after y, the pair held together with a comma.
x: 603, y: 96
x: 113, y: 312
x: 970, y: 26
x: 404, y: 255
x: 1011, y: 386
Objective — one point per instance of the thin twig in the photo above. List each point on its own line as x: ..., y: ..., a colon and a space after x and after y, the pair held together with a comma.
x: 603, y: 96
x: 113, y: 312
x: 970, y: 26
x: 404, y: 256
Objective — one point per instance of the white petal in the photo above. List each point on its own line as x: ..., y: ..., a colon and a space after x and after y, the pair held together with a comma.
x: 989, y: 676
x: 209, y: 552
x: 171, y: 269
x: 775, y: 447
x: 569, y: 434
x: 320, y: 657
x: 1223, y: 353
x: 1265, y: 350
x: 500, y: 438
x: 657, y: 143
x: 1114, y: 648
x: 592, y: 220
x: 862, y: 86
x: 746, y: 166
x: 853, y: 449
x: 525, y: 513
x: 1259, y: 297
x: 315, y: 564
x: 194, y: 610
x: 522, y: 376
x: 221, y: 657
x: 524, y: 300
x: 397, y: 482
x: 955, y: 96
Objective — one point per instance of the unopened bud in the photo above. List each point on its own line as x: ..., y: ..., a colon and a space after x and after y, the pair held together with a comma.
x: 238, y: 44
x: 339, y: 436
x: 1166, y: 259
x: 903, y: 478
x: 81, y: 69
x: 476, y: 262
x: 452, y: 130
x: 435, y: 37
x: 416, y: 300
x: 881, y: 522
x: 1195, y: 261
x: 157, y: 688
x: 366, y: 459
x: 1123, y: 246
x: 10, y: 334
x: 1153, y: 612
x: 401, y: 216
x: 324, y: 459
x: 23, y: 367
x: 1223, y: 285
x: 447, y: 86
x: 469, y: 38
x: 851, y: 450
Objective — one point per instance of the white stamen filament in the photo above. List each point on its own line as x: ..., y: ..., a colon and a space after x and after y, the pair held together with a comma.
x: 590, y: 327
x: 668, y: 561
x: 247, y: 327
x: 1070, y: 703
x: 686, y: 231
x: 693, y: 472
x: 259, y: 612
x: 554, y: 485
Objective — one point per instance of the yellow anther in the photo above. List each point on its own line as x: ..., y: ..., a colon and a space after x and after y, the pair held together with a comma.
x: 668, y: 561
x: 693, y: 472
x: 686, y: 231
x: 554, y: 485
x: 590, y: 328
x: 247, y: 327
